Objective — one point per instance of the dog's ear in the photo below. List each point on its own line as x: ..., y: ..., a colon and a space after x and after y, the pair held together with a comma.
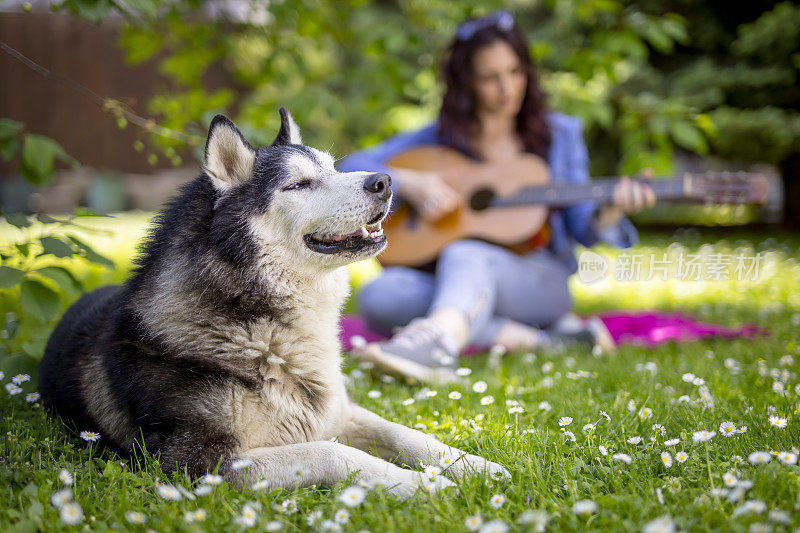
x: 229, y: 157
x: 289, y: 132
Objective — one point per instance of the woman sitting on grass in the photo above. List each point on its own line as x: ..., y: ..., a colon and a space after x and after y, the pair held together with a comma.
x: 493, y: 110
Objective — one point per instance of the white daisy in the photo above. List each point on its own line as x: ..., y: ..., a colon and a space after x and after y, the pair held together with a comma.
x: 13, y: 389
x: 688, y: 377
x: 240, y: 464
x: 19, y: 379
x: 698, y: 381
x: 703, y: 436
x: 779, y: 517
x: 565, y: 421
x: 658, y: 428
x: 730, y: 479
x: 588, y: 428
x: 90, y: 436
x: 631, y: 405
x: 374, y: 394
x: 494, y: 526
x: 750, y: 507
x: 623, y: 458
x: 569, y: 435
x: 645, y: 413
x: 473, y: 523
x: 135, y: 517
x: 742, y: 429
x: 635, y: 440
x: 605, y: 415
x: 759, y: 458
x: 497, y: 501
x: 684, y: 399
x: 672, y: 442
x: 479, y: 386
x: 463, y: 371
x: 778, y: 387
x: 341, y: 516
x: 584, y: 507
x: 787, y: 458
x: 603, y: 450
x: 194, y: 516
x: 65, y: 477
x: 487, y: 400
x: 211, y: 479
x: 203, y: 490
x: 454, y: 395
x: 71, y: 513
x: 273, y: 525
x: 727, y: 429
x: 445, y: 462
x: 313, y: 517
x: 663, y: 524
x: 329, y: 525
x: 168, y: 492
x: 248, y: 517
x: 666, y: 459
x: 536, y: 519
x: 778, y: 422
x: 60, y: 497
x: 408, y: 401
x: 261, y: 484
x: 545, y: 406
x: 517, y: 409
x: 353, y: 496
x: 358, y: 342
x: 548, y: 367
x: 681, y: 457
x: 32, y: 397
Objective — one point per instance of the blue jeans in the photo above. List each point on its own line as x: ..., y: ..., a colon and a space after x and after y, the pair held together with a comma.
x: 490, y: 284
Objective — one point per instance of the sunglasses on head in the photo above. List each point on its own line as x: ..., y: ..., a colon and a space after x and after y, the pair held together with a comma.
x: 502, y: 19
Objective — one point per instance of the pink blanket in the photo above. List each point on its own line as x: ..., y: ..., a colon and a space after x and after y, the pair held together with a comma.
x: 644, y: 328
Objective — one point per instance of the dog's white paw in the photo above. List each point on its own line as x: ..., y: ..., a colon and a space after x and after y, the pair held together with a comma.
x: 466, y: 463
x: 406, y: 483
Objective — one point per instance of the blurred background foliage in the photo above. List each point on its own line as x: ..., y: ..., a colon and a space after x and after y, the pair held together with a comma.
x: 648, y: 77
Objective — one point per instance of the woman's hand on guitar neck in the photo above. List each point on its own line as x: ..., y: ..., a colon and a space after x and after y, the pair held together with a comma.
x: 427, y: 193
x: 630, y: 196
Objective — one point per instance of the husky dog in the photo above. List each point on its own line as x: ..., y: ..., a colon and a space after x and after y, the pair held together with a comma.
x: 222, y: 348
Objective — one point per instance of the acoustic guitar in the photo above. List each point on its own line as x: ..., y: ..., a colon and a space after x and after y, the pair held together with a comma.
x: 510, y: 209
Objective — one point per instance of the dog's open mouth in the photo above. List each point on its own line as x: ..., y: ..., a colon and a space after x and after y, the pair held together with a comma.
x: 367, y: 236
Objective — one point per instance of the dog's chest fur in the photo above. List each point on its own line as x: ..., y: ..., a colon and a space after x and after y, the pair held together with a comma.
x: 301, y: 393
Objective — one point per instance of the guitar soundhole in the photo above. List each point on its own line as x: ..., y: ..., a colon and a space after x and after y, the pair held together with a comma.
x: 481, y: 199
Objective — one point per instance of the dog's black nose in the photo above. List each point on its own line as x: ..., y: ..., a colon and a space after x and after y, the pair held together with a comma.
x: 378, y: 183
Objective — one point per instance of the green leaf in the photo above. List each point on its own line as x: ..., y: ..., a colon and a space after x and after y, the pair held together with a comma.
x: 9, y: 128
x: 688, y: 136
x: 9, y: 148
x: 81, y: 211
x: 62, y: 276
x: 38, y: 158
x: 45, y: 219
x: 112, y: 469
x: 10, y: 276
x: 19, y: 220
x: 24, y: 249
x: 56, y: 246
x: 39, y: 300
x: 89, y: 252
x: 94, y: 10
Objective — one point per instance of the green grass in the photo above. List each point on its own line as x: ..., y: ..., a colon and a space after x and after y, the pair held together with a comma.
x: 549, y: 472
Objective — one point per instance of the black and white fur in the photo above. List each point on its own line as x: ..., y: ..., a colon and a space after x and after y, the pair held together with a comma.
x: 223, y: 345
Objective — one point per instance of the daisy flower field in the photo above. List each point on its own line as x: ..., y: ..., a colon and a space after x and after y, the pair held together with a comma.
x: 680, y: 437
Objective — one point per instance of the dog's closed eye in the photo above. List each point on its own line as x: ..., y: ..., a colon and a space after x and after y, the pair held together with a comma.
x: 304, y: 184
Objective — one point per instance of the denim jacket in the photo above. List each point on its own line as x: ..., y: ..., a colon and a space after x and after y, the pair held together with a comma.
x: 568, y: 160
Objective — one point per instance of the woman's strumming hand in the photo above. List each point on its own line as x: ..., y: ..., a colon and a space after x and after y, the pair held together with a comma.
x: 427, y: 192
x: 630, y: 196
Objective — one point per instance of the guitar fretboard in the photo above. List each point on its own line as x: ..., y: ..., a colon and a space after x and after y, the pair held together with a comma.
x: 564, y: 194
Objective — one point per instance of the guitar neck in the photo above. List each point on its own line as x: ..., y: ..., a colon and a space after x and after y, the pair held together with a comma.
x: 601, y: 189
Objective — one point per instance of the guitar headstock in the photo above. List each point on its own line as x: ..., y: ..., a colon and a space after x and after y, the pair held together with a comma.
x: 727, y: 187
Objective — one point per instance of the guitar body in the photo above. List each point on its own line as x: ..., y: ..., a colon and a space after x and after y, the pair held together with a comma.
x: 415, y: 241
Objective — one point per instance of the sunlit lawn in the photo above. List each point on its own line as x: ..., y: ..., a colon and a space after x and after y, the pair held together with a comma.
x: 645, y: 393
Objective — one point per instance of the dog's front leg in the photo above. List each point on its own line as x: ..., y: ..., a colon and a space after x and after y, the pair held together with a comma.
x: 400, y: 444
x: 323, y: 463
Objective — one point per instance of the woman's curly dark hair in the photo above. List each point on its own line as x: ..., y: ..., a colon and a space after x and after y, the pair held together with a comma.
x: 458, y: 122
